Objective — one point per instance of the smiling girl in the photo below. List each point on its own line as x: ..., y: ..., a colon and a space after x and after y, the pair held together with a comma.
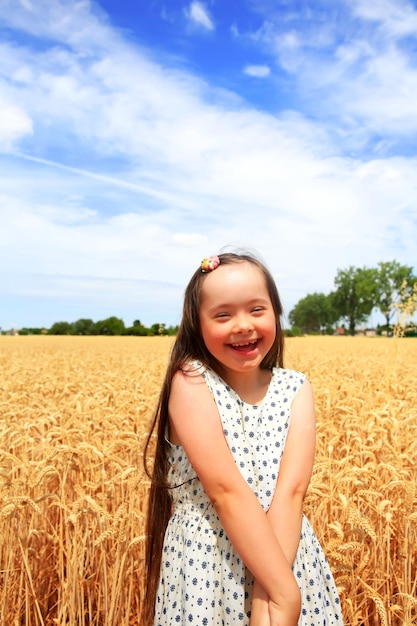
x: 227, y: 540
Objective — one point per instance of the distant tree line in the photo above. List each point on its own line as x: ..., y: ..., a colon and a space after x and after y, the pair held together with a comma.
x: 390, y: 288
x: 110, y: 326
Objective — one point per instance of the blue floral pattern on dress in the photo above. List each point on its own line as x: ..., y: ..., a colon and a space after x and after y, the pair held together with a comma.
x: 203, y: 581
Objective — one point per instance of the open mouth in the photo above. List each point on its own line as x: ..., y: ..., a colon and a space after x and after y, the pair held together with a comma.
x: 247, y: 346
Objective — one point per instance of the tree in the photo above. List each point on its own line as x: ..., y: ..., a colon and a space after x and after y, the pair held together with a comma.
x: 137, y: 329
x: 157, y: 329
x: 61, y: 328
x: 313, y: 313
x: 110, y: 326
x: 356, y: 294
x: 395, y: 284
x: 84, y: 327
x: 405, y: 310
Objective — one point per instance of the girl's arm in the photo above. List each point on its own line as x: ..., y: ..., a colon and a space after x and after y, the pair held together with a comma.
x: 195, y: 424
x: 285, y: 512
x: 260, y: 606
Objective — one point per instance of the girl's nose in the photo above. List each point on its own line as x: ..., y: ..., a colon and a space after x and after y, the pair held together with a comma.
x: 244, y: 323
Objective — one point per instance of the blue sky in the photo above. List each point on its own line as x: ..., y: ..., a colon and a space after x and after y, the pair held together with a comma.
x: 138, y: 137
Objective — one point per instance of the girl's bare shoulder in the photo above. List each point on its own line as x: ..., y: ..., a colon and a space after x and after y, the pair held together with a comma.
x: 189, y: 387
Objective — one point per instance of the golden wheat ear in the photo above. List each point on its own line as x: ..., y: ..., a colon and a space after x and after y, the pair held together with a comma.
x: 74, y: 414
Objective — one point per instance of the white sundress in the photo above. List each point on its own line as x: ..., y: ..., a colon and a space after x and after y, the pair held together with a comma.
x: 203, y: 581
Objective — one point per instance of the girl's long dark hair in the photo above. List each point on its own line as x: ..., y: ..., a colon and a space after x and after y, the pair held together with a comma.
x: 189, y: 345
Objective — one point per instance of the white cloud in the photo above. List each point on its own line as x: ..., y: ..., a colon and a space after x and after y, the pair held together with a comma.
x: 80, y: 24
x: 257, y: 71
x: 198, y: 14
x: 398, y: 18
x: 372, y: 89
x: 188, y: 239
x: 14, y: 124
x: 159, y: 170
x: 355, y: 72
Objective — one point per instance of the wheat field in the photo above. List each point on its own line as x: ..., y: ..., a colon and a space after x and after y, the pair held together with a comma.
x: 74, y: 412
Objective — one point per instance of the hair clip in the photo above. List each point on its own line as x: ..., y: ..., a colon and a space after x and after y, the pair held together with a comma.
x: 209, y: 264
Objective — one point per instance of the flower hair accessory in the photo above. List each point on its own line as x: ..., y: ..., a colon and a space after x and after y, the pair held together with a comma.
x: 209, y: 264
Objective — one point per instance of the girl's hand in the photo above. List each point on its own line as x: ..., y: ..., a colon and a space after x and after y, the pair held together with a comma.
x: 259, y: 608
x: 286, y: 614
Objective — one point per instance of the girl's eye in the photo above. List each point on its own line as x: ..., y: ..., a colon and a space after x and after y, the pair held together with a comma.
x: 222, y: 315
x: 257, y: 309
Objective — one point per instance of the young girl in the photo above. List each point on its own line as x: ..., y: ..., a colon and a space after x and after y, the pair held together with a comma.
x: 227, y: 541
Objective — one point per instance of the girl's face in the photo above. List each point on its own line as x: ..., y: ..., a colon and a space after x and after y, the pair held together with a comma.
x: 236, y: 316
